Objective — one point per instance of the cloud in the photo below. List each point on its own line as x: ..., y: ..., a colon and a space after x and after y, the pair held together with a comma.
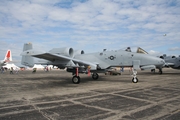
x: 155, y: 53
x: 174, y: 49
x: 110, y: 24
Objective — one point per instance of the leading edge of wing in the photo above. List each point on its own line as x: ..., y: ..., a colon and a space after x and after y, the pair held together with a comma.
x: 53, y: 57
x: 44, y: 55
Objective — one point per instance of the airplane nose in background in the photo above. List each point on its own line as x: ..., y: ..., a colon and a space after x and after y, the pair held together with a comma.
x: 161, y: 61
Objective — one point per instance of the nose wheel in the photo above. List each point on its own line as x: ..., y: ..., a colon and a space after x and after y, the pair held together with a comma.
x: 134, y: 79
x: 160, y: 71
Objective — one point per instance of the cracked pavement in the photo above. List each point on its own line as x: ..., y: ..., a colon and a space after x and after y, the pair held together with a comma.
x: 53, y: 96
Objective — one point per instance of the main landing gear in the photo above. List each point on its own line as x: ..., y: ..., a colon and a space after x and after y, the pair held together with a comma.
x: 134, y: 79
x: 160, y: 71
x: 76, y: 79
x: 95, y: 76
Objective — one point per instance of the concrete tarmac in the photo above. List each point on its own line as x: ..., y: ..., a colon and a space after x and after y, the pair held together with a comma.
x: 53, y: 96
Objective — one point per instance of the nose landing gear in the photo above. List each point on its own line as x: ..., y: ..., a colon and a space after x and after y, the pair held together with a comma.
x: 134, y: 79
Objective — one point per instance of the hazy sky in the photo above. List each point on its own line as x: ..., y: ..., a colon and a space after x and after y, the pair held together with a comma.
x: 90, y: 25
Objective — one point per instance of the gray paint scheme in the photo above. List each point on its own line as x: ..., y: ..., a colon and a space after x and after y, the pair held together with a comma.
x: 171, y: 61
x: 66, y: 57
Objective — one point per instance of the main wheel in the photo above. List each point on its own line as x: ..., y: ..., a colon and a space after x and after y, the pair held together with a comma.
x: 160, y: 72
x: 76, y: 79
x: 135, y: 80
x: 95, y: 76
x: 153, y: 70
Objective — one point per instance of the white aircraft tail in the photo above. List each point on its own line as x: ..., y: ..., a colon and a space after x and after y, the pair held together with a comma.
x: 8, y: 56
x: 26, y: 59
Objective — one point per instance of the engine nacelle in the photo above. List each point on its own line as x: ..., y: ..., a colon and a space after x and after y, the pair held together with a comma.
x: 162, y: 57
x: 78, y: 52
x: 173, y: 56
x: 63, y: 51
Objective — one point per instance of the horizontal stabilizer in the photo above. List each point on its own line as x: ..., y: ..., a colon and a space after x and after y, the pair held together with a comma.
x: 31, y: 52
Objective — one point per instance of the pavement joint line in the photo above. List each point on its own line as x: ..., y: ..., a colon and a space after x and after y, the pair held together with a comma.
x: 139, y: 99
x: 91, y: 106
x: 50, y: 95
x: 15, y: 112
x: 39, y: 110
x: 75, y: 102
x: 121, y: 114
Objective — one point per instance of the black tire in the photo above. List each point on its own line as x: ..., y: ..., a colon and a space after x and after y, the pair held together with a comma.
x: 76, y: 79
x: 153, y: 70
x: 160, y: 72
x: 95, y: 76
x: 135, y: 80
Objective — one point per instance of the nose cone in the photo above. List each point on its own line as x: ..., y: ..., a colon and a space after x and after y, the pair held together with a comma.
x: 152, y: 60
x: 160, y: 62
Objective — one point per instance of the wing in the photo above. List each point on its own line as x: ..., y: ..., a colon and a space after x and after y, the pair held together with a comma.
x: 51, y: 57
x: 44, y: 55
x: 58, y: 57
x: 86, y: 63
x: 73, y: 62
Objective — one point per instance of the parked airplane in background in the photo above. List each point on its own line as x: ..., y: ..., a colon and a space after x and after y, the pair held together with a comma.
x: 171, y: 61
x: 8, y: 58
x: 76, y: 61
x: 11, y: 65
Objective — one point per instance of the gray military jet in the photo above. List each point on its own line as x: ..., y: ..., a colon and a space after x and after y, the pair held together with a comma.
x: 171, y: 61
x: 76, y: 61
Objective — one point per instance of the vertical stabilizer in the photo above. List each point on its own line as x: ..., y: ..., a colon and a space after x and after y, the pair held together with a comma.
x: 8, y: 56
x: 26, y: 59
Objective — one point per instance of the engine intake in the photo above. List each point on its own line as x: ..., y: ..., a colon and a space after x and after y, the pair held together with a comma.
x: 162, y: 57
x: 78, y: 52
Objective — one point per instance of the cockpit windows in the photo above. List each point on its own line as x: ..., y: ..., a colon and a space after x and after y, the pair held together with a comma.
x: 140, y: 50
x: 128, y: 49
x: 136, y: 49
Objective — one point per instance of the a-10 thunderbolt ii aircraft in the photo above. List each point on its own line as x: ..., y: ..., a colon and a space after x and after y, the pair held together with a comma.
x: 76, y: 61
x: 171, y: 61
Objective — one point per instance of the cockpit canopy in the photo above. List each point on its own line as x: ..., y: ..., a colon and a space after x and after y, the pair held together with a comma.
x: 136, y: 50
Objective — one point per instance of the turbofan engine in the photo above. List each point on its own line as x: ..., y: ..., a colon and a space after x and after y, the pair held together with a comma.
x: 63, y: 51
x: 161, y: 57
x: 78, y: 52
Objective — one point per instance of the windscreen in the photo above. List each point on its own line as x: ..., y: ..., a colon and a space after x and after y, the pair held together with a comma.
x: 135, y: 49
